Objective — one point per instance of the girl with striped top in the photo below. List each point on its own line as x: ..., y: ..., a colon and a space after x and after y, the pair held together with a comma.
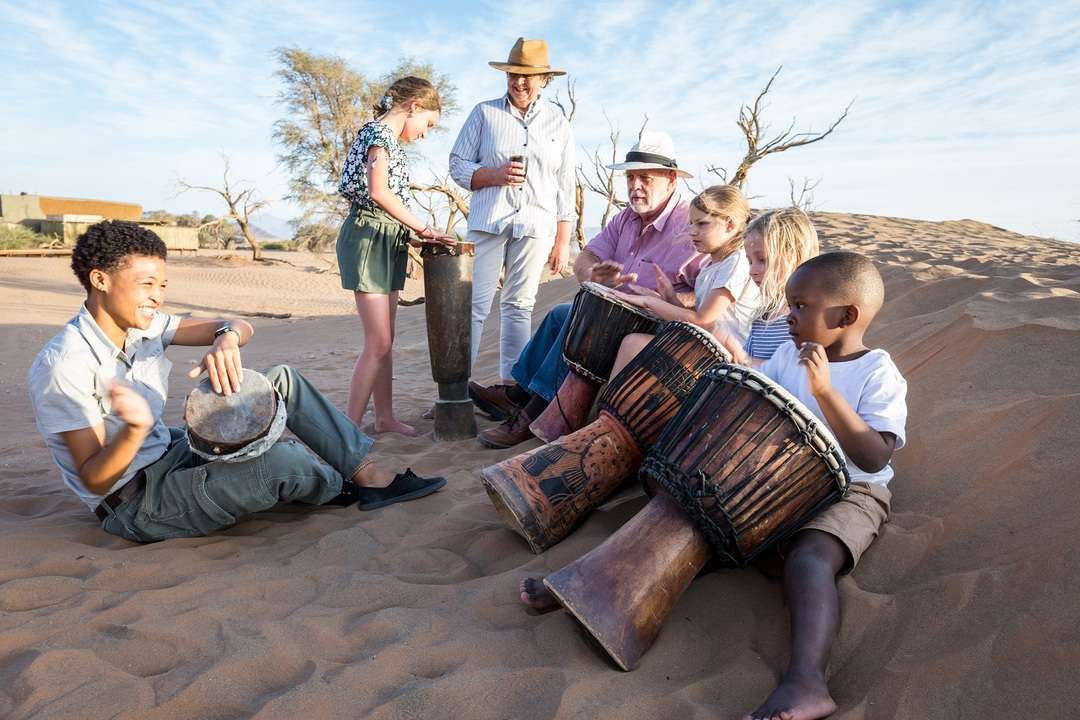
x: 776, y: 243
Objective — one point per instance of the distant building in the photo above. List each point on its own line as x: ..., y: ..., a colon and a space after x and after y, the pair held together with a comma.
x: 16, y: 208
x: 67, y: 218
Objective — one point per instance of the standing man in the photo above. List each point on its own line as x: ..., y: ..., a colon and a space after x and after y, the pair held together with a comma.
x: 516, y: 155
x: 648, y: 239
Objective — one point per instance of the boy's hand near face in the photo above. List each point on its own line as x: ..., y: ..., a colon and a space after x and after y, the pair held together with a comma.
x: 869, y: 449
x: 812, y: 357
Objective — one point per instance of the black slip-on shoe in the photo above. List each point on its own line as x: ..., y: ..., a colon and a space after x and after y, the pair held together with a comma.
x: 347, y: 496
x: 406, y: 486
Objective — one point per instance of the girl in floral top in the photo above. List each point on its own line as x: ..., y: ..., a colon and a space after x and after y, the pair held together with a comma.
x: 372, y: 246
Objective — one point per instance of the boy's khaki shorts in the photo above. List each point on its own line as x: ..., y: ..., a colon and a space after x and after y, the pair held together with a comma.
x: 855, y: 520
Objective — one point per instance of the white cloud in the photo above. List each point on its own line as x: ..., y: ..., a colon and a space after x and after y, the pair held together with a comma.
x: 963, y: 109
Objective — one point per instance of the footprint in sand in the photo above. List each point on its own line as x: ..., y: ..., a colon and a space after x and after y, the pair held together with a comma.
x: 32, y: 593
x: 134, y: 651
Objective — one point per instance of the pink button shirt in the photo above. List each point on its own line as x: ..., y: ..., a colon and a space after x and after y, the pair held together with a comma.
x: 664, y: 241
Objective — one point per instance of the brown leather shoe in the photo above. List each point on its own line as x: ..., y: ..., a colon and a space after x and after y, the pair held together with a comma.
x: 493, y: 401
x: 510, y: 433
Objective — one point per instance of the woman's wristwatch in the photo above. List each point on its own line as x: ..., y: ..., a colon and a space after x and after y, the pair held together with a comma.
x: 227, y: 328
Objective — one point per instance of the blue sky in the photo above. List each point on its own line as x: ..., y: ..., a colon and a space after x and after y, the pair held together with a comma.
x: 962, y: 109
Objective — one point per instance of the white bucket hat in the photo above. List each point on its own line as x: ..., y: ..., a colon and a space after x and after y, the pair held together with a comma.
x: 654, y: 150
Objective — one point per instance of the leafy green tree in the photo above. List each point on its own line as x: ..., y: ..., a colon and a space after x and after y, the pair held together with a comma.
x: 325, y: 104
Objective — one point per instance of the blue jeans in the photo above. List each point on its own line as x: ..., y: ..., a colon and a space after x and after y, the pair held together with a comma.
x: 188, y: 496
x: 541, y: 369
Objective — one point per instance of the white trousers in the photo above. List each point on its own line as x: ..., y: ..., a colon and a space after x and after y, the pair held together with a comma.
x: 523, y: 261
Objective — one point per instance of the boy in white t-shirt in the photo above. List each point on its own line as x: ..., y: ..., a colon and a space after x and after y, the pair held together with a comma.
x: 860, y: 394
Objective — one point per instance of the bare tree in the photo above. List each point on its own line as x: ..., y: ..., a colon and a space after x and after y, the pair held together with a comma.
x: 569, y: 109
x: 753, y: 128
x: 804, y: 199
x: 455, y: 203
x: 242, y: 204
x: 602, y: 180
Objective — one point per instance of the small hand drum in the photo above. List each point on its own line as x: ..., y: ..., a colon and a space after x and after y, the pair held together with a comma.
x: 598, y: 322
x: 234, y: 427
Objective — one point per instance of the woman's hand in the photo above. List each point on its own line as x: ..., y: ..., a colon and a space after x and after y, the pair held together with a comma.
x: 559, y: 257
x: 512, y: 174
x: 222, y: 364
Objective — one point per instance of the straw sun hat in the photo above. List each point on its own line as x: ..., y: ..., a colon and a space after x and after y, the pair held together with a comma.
x: 527, y: 57
x: 654, y: 150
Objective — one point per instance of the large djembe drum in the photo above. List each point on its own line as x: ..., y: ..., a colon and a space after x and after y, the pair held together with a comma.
x: 599, y: 321
x: 236, y: 427
x: 742, y: 466
x: 448, y: 311
x: 543, y: 494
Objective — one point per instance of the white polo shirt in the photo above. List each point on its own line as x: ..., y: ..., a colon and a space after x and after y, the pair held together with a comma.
x: 69, y: 389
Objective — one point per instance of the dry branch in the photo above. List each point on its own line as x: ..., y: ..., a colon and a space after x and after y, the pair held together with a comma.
x: 753, y: 128
x: 242, y: 205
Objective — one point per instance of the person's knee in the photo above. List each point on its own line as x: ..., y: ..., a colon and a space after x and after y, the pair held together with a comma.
x: 280, y: 375
x: 813, y: 552
x: 555, y: 318
x: 518, y: 305
x: 378, y: 345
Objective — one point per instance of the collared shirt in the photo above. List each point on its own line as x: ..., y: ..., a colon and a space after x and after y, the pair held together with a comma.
x: 490, y: 135
x: 69, y: 389
x: 664, y: 241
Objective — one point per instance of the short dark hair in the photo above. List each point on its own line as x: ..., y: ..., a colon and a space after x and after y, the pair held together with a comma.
x: 849, y: 276
x: 104, y: 246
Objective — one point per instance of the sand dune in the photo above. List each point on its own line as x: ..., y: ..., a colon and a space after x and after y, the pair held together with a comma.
x: 964, y: 608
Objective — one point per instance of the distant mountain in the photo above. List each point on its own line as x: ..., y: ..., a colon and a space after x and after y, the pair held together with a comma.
x: 267, y: 226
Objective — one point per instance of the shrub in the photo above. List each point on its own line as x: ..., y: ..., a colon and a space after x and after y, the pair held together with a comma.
x: 17, y: 237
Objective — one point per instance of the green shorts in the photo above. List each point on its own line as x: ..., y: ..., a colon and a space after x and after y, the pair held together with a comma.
x: 372, y: 251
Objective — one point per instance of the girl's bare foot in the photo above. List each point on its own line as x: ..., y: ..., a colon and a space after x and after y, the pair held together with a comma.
x: 797, y: 697
x: 536, y: 595
x: 394, y: 426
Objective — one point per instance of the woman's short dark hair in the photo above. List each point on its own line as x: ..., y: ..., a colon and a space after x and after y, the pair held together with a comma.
x: 104, y: 246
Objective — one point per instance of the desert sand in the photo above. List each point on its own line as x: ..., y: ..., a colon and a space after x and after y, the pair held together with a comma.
x: 965, y: 607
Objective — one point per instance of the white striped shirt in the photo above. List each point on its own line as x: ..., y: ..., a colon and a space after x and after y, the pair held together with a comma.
x: 490, y: 135
x: 767, y: 337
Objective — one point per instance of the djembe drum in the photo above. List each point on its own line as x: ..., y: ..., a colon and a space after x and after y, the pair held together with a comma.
x: 544, y: 493
x: 599, y: 321
x: 741, y: 467
x: 234, y: 427
x: 448, y: 312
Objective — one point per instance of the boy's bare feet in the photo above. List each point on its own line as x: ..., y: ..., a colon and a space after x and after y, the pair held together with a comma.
x: 536, y: 595
x: 394, y: 426
x: 797, y: 697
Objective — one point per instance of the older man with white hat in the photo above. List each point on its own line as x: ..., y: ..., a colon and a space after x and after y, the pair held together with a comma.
x: 648, y: 238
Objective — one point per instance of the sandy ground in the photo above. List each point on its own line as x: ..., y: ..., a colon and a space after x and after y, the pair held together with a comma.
x: 964, y: 608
